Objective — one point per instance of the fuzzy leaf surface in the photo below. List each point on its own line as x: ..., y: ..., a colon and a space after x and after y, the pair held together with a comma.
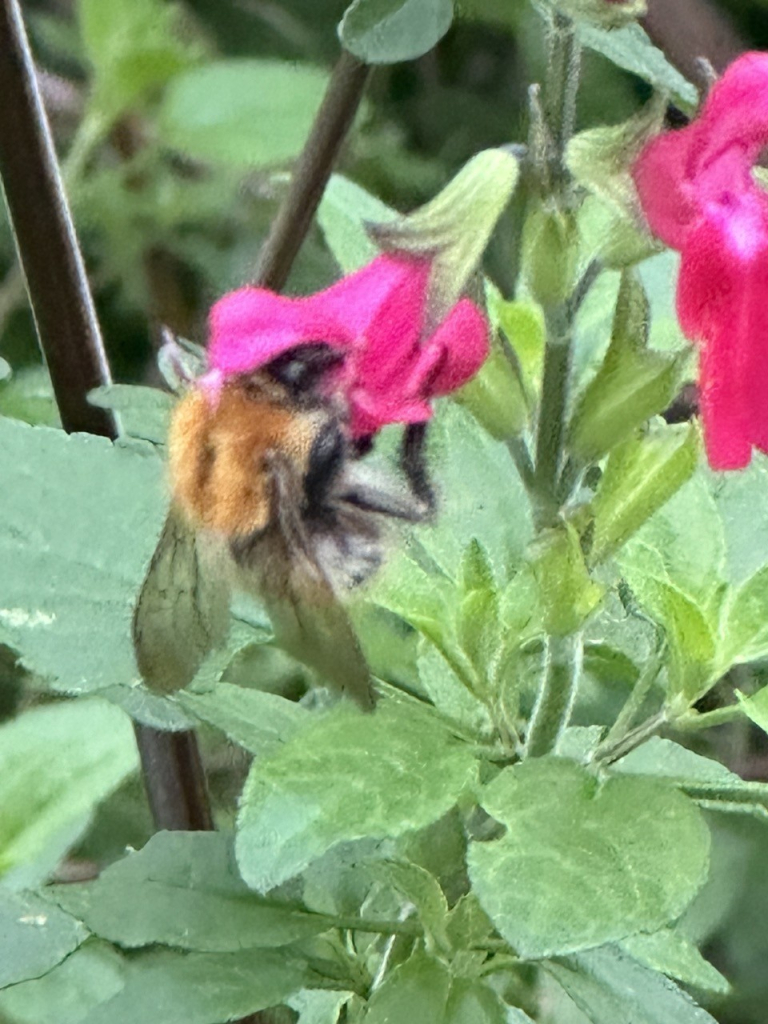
x: 584, y: 862
x: 200, y: 988
x: 57, y: 763
x: 347, y: 776
x: 183, y: 889
x: 389, y: 31
x: 246, y: 112
x: 74, y: 553
x: 34, y: 936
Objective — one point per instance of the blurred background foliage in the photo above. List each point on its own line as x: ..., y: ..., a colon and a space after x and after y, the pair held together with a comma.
x: 176, y: 125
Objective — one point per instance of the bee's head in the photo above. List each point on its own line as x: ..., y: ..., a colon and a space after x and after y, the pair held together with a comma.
x: 301, y: 370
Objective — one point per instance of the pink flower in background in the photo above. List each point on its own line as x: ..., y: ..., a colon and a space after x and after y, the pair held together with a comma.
x: 698, y: 193
x: 375, y: 318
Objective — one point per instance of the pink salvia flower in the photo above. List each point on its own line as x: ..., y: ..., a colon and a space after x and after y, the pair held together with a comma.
x: 698, y: 193
x: 375, y: 318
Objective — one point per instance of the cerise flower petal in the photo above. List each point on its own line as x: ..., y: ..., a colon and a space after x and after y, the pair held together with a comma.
x: 697, y: 191
x: 376, y: 317
x: 251, y: 326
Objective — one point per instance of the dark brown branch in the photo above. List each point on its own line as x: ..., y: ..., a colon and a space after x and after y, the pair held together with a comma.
x: 312, y: 171
x: 71, y: 342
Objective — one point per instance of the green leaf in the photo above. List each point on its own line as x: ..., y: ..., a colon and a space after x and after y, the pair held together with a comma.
x: 389, y: 31
x: 671, y: 953
x: 549, y: 252
x: 479, y: 626
x: 746, y: 621
x: 640, y: 476
x: 584, y: 862
x: 476, y: 569
x: 742, y: 502
x: 34, y: 936
x: 5, y: 369
x: 251, y: 113
x: 523, y: 325
x: 446, y: 690
x: 183, y: 889
x: 200, y: 988
x: 144, y: 412
x: 517, y: 1016
x: 631, y: 49
x: 453, y: 229
x: 567, y: 593
x: 420, y: 888
x: 613, y: 239
x: 57, y: 763
x: 633, y: 383
x: 134, y: 47
x: 659, y: 274
x: 495, y: 395
x: 756, y: 707
x: 690, y: 634
x: 74, y: 552
x: 28, y: 396
x: 468, y: 923
x: 609, y: 986
x: 182, y: 612
x: 260, y: 722
x: 668, y: 760
x: 345, y: 777
x: 707, y: 781
x: 601, y: 158
x: 90, y: 976
x: 423, y: 600
x: 414, y: 991
x: 674, y: 566
x: 149, y: 708
x: 344, y: 213
x: 314, y: 1006
x: 472, y: 1002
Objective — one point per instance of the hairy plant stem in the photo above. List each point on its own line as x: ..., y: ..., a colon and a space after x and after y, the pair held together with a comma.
x: 608, y: 753
x: 634, y: 701
x: 71, y: 342
x: 559, y: 98
x: 558, y: 112
x: 552, y: 412
x: 562, y: 667
x: 557, y: 692
x: 692, y: 721
x: 312, y: 171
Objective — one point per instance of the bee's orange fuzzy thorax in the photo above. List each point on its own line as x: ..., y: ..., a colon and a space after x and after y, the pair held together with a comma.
x: 217, y: 455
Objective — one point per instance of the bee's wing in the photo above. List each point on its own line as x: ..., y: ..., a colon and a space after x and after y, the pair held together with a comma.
x: 183, y: 608
x: 309, y: 621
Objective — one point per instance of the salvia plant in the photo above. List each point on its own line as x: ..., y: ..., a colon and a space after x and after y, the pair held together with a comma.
x: 436, y: 565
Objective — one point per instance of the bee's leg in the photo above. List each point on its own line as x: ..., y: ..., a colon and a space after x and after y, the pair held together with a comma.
x: 417, y: 504
x: 413, y: 460
x: 326, y: 461
x: 369, y: 497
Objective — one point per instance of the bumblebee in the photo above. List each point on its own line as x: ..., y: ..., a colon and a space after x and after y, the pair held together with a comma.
x: 267, y: 466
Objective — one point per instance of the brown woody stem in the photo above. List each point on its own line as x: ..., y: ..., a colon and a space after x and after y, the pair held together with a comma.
x: 71, y: 343
x: 312, y: 171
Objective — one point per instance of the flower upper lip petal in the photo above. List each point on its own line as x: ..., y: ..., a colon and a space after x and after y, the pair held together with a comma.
x: 251, y: 326
x: 377, y: 317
